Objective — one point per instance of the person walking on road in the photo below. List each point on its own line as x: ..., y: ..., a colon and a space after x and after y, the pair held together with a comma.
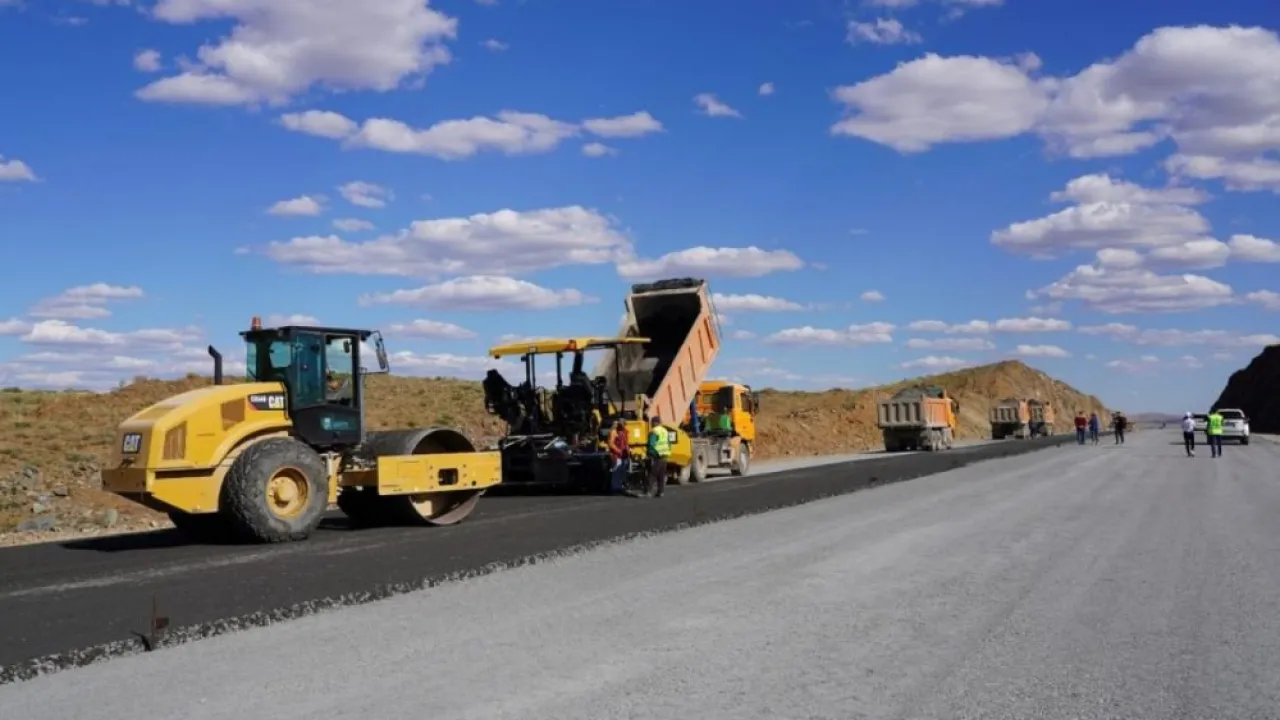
x: 1095, y: 427
x: 1120, y: 422
x: 1189, y: 434
x: 1081, y: 424
x: 657, y: 451
x: 1214, y: 430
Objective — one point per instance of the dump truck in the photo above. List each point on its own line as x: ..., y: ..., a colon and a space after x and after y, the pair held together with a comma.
x: 262, y: 460
x: 1042, y: 417
x: 667, y: 377
x: 918, y: 418
x: 721, y: 425
x: 1010, y: 417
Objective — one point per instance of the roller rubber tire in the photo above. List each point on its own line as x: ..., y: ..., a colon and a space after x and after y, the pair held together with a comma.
x: 244, y: 492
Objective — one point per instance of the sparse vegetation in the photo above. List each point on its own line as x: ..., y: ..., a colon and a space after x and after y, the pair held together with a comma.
x: 53, y: 443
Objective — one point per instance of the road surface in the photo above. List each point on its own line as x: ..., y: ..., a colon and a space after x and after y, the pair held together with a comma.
x: 1099, y: 582
x: 63, y: 604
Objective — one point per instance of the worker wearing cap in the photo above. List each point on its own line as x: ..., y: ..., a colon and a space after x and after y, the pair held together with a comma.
x: 1119, y: 422
x: 1214, y: 430
x: 620, y: 454
x: 1189, y: 434
x: 657, y: 451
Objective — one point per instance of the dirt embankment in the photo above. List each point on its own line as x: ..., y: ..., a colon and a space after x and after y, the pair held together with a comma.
x: 1255, y: 389
x: 54, y: 443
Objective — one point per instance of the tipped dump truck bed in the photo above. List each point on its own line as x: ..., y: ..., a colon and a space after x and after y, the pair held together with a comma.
x: 677, y: 317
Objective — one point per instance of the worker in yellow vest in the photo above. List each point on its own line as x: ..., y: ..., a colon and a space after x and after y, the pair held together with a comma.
x: 657, y: 451
x: 1214, y: 430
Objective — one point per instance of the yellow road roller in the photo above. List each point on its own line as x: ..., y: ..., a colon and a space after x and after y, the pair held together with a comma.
x: 262, y: 460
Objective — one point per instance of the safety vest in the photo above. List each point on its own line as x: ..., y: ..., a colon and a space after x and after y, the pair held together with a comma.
x: 1215, y: 424
x: 661, y: 443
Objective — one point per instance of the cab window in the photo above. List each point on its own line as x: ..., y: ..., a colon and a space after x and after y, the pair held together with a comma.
x: 339, y: 370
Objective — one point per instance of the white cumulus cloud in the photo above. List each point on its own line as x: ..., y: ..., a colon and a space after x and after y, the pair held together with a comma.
x: 711, y: 106
x: 303, y: 205
x: 865, y: 334
x: 705, y: 261
x: 501, y: 242
x: 481, y: 293
x: 753, y: 302
x: 279, y: 49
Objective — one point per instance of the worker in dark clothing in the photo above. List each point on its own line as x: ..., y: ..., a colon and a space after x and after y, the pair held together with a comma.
x: 1120, y: 422
x: 1095, y: 427
x: 1081, y: 425
x: 657, y: 451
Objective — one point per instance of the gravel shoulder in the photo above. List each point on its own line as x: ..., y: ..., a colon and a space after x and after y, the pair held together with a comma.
x: 1113, y: 581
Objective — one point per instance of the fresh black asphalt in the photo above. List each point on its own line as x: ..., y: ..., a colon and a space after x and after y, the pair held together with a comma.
x: 70, y: 603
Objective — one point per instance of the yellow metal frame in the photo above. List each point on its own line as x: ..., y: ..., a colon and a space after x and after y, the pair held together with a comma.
x: 549, y: 346
x: 439, y: 472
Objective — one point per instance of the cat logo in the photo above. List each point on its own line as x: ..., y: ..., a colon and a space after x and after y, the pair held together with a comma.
x: 131, y: 444
x: 272, y: 401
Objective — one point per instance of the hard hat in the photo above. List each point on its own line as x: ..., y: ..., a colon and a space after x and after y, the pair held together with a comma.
x: 1188, y: 414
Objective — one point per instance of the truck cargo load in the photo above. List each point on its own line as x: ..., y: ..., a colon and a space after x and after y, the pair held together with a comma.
x: 1041, y: 417
x: 1010, y: 417
x: 918, y: 417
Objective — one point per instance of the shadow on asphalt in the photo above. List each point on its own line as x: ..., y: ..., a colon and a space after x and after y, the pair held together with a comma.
x: 172, y: 537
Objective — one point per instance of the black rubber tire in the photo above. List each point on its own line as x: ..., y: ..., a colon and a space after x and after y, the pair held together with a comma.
x: 681, y: 476
x: 699, y: 472
x: 244, y: 491
x: 201, y: 527
x: 742, y: 463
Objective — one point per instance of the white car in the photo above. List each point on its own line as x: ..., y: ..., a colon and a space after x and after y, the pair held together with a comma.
x: 1200, y: 421
x: 1234, y: 425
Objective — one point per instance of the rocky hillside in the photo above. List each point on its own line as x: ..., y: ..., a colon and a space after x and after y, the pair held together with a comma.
x: 52, y: 444
x: 1255, y: 389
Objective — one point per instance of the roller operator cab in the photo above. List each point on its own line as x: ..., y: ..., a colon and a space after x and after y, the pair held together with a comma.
x: 262, y: 460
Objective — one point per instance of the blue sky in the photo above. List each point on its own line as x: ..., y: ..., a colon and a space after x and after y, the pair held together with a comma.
x: 875, y: 188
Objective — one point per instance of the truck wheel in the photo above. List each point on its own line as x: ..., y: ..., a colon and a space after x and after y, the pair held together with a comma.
x: 682, y: 475
x: 948, y: 439
x: 699, y: 465
x: 742, y: 464
x: 276, y: 491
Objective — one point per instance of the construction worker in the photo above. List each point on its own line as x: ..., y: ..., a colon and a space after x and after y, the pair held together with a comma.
x: 1120, y: 422
x: 1081, y: 424
x: 1189, y: 434
x: 620, y: 454
x: 657, y: 451
x: 1095, y: 426
x: 1214, y: 430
